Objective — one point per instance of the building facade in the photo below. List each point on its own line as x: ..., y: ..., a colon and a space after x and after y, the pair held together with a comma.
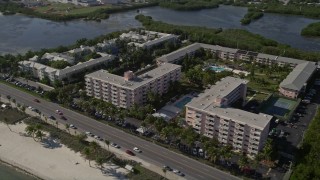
x: 296, y: 82
x: 41, y: 71
x: 210, y: 115
x: 226, y: 53
x: 130, y: 89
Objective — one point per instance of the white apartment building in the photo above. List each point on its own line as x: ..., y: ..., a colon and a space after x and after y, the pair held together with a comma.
x: 58, y: 57
x: 296, y: 82
x: 130, y: 89
x: 147, y: 39
x: 210, y: 115
x: 41, y: 71
x: 226, y: 53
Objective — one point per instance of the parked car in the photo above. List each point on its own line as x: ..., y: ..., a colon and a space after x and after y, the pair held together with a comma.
x: 59, y: 112
x: 115, y: 145
x: 72, y: 126
x: 137, y: 150
x: 167, y: 168
x: 130, y: 152
x: 52, y: 117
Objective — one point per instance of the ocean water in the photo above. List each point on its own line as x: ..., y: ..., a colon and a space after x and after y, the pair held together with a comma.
x: 10, y: 173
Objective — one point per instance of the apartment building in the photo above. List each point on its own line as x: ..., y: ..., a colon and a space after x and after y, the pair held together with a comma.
x: 226, y: 53
x: 58, y: 57
x: 296, y: 81
x: 131, y: 89
x: 210, y: 115
x: 41, y: 71
x: 147, y: 39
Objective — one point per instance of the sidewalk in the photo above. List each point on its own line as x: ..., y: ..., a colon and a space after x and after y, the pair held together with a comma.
x: 119, y: 153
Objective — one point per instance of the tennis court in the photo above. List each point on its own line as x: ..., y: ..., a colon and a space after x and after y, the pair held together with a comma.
x: 279, y: 106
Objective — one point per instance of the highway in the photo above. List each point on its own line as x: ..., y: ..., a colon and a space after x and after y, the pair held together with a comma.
x: 151, y: 152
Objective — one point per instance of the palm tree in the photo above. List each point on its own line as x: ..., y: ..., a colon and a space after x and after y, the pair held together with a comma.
x: 214, y: 153
x: 87, y: 152
x: 39, y: 134
x: 164, y: 171
x: 99, y: 161
x: 67, y: 127
x: 243, y: 161
x: 9, y: 97
x: 6, y: 120
x: 94, y: 146
x: 14, y: 101
x: 81, y: 137
x: 30, y: 130
x: 107, y: 143
x: 57, y: 123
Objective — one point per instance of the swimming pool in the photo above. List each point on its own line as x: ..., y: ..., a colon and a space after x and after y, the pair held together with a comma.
x: 180, y: 104
x: 217, y: 69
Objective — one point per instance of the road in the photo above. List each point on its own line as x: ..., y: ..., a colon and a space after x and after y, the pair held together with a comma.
x: 151, y: 152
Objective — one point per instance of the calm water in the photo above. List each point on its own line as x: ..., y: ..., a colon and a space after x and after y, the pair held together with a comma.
x: 19, y: 33
x: 8, y: 173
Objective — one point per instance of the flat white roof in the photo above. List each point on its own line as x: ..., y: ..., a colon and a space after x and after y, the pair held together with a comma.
x: 205, y: 103
x: 141, y: 80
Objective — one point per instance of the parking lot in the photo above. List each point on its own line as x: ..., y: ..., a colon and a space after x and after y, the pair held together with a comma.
x: 293, y: 132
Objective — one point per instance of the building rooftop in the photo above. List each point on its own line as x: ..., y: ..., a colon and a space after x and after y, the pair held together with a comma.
x: 259, y: 121
x: 82, y: 65
x: 67, y: 70
x: 280, y: 58
x: 299, y: 76
x: 206, y: 103
x: 179, y: 53
x: 137, y: 81
x: 58, y: 56
x: 218, y: 91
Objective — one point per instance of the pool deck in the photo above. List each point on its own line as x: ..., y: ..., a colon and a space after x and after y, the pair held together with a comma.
x: 171, y: 110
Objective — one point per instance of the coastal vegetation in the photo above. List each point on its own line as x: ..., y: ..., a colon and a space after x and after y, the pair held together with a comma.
x: 233, y: 38
x: 187, y: 5
x: 307, y: 164
x: 311, y: 11
x: 312, y: 30
x: 251, y: 15
x: 58, y: 12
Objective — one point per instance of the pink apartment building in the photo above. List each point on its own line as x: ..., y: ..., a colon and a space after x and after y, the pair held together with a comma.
x: 131, y: 89
x: 210, y: 115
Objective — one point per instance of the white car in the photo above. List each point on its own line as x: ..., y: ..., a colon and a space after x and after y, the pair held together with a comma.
x: 176, y: 171
x: 137, y: 150
x: 115, y: 145
x: 72, y: 126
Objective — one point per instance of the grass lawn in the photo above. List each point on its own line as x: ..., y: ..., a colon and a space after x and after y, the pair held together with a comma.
x: 260, y: 97
x: 13, y: 115
x: 144, y: 174
x: 60, y: 8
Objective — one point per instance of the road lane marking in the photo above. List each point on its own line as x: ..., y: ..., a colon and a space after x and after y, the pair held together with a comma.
x: 88, y: 120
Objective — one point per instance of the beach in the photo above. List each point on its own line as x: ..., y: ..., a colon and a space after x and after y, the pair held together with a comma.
x: 54, y: 161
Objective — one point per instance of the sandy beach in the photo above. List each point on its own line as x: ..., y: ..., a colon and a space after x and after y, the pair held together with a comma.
x: 54, y: 161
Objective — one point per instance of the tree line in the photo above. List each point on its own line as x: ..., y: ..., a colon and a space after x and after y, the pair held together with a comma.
x: 187, y: 5
x: 252, y: 14
x: 312, y: 30
x: 103, y: 13
x: 233, y: 38
x: 307, y: 158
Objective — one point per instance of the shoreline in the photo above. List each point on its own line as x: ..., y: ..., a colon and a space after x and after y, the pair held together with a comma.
x: 19, y: 169
x: 48, y: 159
